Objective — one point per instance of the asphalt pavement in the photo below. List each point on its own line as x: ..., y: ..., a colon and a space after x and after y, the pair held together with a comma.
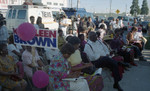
x: 136, y: 79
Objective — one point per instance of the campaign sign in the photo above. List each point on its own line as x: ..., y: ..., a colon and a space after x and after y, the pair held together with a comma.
x: 43, y: 38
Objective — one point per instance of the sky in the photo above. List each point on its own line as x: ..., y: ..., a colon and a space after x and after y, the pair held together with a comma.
x: 103, y: 6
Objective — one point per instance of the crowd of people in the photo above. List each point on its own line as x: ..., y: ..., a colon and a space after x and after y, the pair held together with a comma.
x: 89, y: 48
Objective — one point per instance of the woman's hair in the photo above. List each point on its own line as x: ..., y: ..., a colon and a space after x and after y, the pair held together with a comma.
x: 134, y: 28
x: 68, y: 37
x: 80, y: 36
x: 74, y: 40
x: 39, y: 20
x: 102, y: 26
x: 67, y: 49
x: 98, y: 33
x: 11, y: 39
x: 60, y: 30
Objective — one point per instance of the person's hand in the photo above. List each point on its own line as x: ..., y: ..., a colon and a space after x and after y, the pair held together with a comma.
x: 74, y: 74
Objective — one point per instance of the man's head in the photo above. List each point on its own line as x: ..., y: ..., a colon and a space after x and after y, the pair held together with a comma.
x: 117, y: 21
x: 89, y: 19
x: 102, y: 21
x: 135, y: 21
x: 60, y: 32
x: 92, y: 36
x: 32, y: 19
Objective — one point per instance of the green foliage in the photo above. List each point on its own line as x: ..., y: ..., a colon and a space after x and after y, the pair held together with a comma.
x: 144, y: 9
x: 135, y: 7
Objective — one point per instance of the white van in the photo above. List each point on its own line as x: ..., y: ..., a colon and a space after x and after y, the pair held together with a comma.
x: 128, y: 20
x: 17, y: 14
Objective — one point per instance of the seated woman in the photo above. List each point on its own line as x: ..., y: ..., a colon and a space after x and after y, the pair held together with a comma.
x: 29, y: 65
x: 134, y: 43
x: 16, y: 51
x: 8, y: 76
x: 130, y: 38
x: 118, y: 45
x: 60, y: 69
x: 83, y: 42
x: 78, y: 65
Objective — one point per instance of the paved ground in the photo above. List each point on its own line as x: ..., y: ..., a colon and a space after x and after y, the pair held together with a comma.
x: 137, y: 79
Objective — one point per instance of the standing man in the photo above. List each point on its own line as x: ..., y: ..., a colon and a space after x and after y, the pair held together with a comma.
x: 121, y: 22
x: 3, y: 31
x: 32, y: 20
x: 90, y: 24
x: 64, y: 24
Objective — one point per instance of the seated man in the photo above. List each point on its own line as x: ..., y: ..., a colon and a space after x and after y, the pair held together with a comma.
x: 99, y: 55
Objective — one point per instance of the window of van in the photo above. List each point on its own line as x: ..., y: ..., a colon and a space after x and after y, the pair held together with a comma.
x: 14, y: 14
x: 131, y: 19
x: 125, y: 19
x: 21, y: 14
x: 10, y: 13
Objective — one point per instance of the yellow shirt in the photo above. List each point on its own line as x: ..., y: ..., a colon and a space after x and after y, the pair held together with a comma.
x: 75, y: 58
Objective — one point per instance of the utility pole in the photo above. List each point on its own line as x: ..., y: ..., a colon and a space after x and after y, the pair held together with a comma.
x: 110, y: 8
x: 71, y: 3
x: 78, y: 1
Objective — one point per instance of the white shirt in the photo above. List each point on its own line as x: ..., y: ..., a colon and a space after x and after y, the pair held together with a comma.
x: 50, y: 53
x: 11, y: 48
x: 115, y: 26
x: 138, y: 35
x: 103, y: 24
x: 121, y: 23
x: 98, y: 49
x: 64, y: 28
x: 102, y: 33
x: 112, y: 23
x: 27, y: 59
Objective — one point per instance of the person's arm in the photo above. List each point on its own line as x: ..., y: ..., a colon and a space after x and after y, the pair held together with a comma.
x: 7, y: 74
x: 85, y: 65
x: 17, y: 53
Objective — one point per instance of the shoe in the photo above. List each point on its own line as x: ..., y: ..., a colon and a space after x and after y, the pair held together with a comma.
x: 123, y: 64
x: 117, y: 86
x: 132, y: 63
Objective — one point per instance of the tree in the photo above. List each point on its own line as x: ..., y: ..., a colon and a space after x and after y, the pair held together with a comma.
x: 135, y: 9
x: 144, y: 9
